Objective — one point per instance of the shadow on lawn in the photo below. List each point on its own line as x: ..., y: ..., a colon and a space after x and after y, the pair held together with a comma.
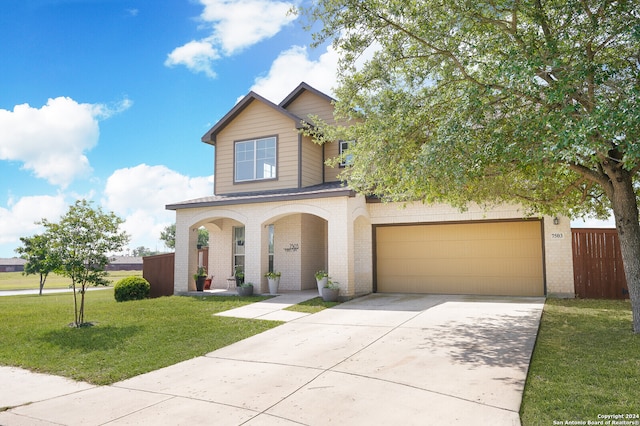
x: 91, y: 338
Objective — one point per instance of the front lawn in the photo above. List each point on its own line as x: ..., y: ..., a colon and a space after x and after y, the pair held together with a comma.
x: 128, y: 338
x: 19, y: 281
x: 586, y: 362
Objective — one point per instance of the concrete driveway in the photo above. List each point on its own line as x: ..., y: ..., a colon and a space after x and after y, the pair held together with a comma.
x: 379, y: 360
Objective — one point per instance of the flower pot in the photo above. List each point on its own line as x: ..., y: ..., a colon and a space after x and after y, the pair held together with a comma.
x: 245, y: 291
x: 207, y: 284
x: 329, y: 294
x: 321, y: 283
x: 200, y: 283
x: 273, y: 285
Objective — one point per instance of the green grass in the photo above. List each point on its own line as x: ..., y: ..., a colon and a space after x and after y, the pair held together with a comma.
x: 128, y: 338
x: 18, y: 281
x: 586, y: 362
x: 312, y: 306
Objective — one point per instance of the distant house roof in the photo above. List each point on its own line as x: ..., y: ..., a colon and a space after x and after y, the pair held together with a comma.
x: 125, y: 260
x: 12, y: 261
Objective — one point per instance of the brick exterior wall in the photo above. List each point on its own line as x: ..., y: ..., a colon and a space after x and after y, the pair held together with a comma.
x: 334, y: 234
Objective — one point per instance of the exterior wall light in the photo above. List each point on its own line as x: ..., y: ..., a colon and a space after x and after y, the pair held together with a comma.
x: 556, y: 221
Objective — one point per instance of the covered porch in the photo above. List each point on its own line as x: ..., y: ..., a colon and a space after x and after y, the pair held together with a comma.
x: 296, y: 236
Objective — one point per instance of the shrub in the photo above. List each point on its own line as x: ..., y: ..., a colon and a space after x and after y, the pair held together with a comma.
x: 131, y: 288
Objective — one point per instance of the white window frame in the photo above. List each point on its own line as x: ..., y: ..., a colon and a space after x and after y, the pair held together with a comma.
x: 268, y: 175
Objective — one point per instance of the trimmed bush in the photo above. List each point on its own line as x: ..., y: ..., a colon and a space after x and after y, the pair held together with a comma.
x: 131, y: 288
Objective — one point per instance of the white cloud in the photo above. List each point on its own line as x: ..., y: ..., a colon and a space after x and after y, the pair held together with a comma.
x: 235, y: 25
x: 51, y: 141
x: 293, y: 66
x: 238, y: 24
x: 198, y: 56
x: 139, y: 195
x: 18, y: 220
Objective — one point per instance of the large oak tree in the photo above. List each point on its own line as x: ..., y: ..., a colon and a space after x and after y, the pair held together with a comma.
x: 532, y: 101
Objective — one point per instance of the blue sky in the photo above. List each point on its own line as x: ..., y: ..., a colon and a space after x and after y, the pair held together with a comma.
x: 107, y: 100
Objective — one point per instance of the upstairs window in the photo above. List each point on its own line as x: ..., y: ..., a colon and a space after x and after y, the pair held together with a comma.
x: 345, y: 158
x: 255, y: 159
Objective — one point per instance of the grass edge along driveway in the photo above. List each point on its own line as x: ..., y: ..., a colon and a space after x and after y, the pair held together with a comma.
x: 128, y: 338
x: 586, y: 363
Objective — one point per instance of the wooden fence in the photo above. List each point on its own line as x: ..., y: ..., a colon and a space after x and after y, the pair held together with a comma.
x: 159, y: 270
x: 597, y: 264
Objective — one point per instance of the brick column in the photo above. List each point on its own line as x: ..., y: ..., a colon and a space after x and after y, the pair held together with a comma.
x: 254, y: 255
x: 340, y: 249
x: 186, y: 256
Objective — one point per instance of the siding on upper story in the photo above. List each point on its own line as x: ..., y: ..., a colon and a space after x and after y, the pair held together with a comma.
x: 309, y: 104
x: 257, y: 120
x: 331, y: 150
x: 311, y: 166
x: 300, y: 161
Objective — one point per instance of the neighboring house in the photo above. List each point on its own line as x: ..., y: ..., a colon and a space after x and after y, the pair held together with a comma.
x: 277, y: 206
x: 12, y: 264
x: 124, y: 263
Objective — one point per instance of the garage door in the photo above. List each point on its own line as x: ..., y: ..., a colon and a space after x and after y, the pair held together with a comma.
x: 491, y: 258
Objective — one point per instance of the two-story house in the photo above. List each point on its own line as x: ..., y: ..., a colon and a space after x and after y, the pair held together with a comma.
x: 279, y: 207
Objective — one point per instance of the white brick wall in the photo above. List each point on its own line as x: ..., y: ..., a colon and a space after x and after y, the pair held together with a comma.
x: 341, y: 226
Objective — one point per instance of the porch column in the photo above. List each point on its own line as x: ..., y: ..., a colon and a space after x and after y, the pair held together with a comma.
x: 341, y: 249
x: 254, y: 255
x: 186, y: 257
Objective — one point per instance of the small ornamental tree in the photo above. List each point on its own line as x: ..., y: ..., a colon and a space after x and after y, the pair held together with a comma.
x: 40, y: 256
x: 82, y: 239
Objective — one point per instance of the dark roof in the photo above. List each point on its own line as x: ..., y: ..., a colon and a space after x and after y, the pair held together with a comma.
x: 210, y: 136
x: 299, y: 90
x: 332, y: 189
x: 125, y: 260
x: 12, y: 261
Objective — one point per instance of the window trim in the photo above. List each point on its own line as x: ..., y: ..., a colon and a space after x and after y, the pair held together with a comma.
x: 235, y: 164
x: 343, y: 161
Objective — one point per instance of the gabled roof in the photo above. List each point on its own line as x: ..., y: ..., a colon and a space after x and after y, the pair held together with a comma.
x: 210, y: 136
x: 299, y: 90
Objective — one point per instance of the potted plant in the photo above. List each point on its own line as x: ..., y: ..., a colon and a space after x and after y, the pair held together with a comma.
x: 199, y: 277
x: 245, y: 289
x: 239, y: 276
x: 207, y: 282
x: 330, y: 291
x: 321, y: 280
x: 274, y: 281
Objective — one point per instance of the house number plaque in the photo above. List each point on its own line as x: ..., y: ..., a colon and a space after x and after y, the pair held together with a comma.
x: 557, y: 236
x: 292, y: 247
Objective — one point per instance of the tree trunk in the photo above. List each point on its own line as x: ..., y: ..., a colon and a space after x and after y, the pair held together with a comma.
x: 625, y: 211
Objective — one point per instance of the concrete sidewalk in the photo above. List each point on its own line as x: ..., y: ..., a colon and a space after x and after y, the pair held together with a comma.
x: 377, y: 360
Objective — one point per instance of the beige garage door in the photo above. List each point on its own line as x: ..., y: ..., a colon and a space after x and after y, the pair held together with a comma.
x: 494, y: 258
